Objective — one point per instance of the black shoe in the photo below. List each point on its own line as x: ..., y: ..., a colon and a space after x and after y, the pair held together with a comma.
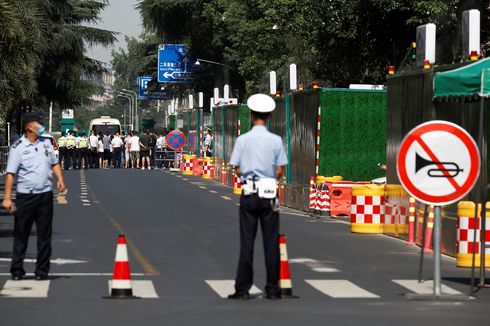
x: 17, y: 277
x: 273, y: 296
x: 239, y: 296
x: 41, y: 277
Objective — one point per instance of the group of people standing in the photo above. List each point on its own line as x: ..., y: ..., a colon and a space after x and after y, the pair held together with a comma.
x: 105, y: 151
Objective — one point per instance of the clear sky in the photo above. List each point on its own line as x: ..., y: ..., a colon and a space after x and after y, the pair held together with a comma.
x: 120, y: 16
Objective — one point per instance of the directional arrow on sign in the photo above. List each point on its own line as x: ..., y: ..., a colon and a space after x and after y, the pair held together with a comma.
x: 57, y: 261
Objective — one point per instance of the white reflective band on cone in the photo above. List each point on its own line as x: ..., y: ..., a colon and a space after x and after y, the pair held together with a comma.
x: 283, y: 251
x: 121, y: 284
x: 121, y: 253
x: 285, y: 284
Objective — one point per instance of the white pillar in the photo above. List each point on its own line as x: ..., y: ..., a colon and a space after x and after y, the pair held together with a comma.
x: 216, y: 95
x: 272, y: 83
x: 293, y: 77
x: 426, y: 44
x: 201, y: 99
x: 50, y: 129
x: 191, y: 101
x: 471, y: 32
x: 226, y: 92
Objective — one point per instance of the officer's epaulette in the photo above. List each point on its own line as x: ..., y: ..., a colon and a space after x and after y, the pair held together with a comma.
x: 14, y: 145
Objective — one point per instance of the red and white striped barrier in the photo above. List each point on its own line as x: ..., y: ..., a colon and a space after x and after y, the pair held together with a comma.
x: 223, y: 172
x: 367, y: 209
x: 188, y: 164
x: 237, y: 186
x: 395, y: 221
x: 317, y: 149
x: 207, y: 169
x: 312, y: 203
x: 121, y: 287
x: 469, y: 235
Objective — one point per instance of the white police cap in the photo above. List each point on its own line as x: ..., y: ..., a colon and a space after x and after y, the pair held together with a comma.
x: 261, y: 103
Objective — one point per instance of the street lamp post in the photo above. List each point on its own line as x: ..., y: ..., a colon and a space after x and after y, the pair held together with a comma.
x: 130, y: 100
x: 135, y: 114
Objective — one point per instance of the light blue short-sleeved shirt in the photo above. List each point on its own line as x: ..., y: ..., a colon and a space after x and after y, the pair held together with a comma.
x: 258, y: 153
x: 32, y: 164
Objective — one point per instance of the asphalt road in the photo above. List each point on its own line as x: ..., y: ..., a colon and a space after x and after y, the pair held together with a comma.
x: 182, y: 236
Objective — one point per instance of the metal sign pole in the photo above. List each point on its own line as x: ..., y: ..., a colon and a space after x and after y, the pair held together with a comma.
x: 437, y: 251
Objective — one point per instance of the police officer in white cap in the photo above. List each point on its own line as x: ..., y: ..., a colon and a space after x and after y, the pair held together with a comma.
x: 32, y: 162
x: 259, y: 158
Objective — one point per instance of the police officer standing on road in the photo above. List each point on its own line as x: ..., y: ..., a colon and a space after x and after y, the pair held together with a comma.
x: 71, y: 144
x: 62, y: 148
x: 83, y: 151
x: 33, y: 161
x: 258, y: 157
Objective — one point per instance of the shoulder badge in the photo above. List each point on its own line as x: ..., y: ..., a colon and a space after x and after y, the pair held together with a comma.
x: 17, y: 143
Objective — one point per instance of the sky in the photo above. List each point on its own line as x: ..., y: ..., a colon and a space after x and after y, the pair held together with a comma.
x: 120, y: 16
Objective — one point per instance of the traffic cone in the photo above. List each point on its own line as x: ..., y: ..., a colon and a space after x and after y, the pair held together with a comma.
x: 429, y: 230
x: 411, y: 221
x: 121, y: 279
x: 284, y: 275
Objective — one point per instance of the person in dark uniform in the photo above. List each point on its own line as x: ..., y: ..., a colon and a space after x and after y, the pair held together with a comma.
x: 258, y: 157
x: 33, y: 161
x: 83, y: 151
x: 71, y: 144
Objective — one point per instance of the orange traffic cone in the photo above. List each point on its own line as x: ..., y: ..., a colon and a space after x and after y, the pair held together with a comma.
x: 121, y: 279
x: 285, y: 276
x: 429, y: 230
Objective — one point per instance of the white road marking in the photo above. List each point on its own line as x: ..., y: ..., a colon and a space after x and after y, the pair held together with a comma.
x: 314, y: 265
x: 213, y: 191
x: 142, y: 289
x: 226, y: 197
x: 76, y: 274
x: 25, y: 289
x: 425, y: 287
x: 85, y: 200
x: 225, y: 287
x: 185, y: 179
x: 341, y: 289
x: 86, y: 205
x: 57, y: 261
x: 202, y: 187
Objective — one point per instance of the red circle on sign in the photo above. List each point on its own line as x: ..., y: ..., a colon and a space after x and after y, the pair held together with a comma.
x: 415, y: 136
x: 175, y: 140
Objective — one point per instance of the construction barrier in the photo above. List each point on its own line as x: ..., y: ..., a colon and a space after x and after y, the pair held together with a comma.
x: 208, y: 168
x: 198, y: 166
x: 322, y: 194
x: 341, y: 196
x: 188, y: 164
x: 237, y: 186
x: 395, y: 221
x: 411, y: 221
x: 469, y: 235
x: 367, y: 209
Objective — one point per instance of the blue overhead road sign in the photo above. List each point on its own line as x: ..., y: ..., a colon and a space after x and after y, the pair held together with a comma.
x: 145, y: 92
x: 174, y: 65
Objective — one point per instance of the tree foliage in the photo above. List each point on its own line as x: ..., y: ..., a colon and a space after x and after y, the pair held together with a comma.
x: 42, y: 52
x: 335, y: 41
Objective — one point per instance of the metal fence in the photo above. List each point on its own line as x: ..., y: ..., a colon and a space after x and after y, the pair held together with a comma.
x: 4, y: 155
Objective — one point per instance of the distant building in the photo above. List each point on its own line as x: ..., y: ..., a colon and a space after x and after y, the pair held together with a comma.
x: 106, y: 80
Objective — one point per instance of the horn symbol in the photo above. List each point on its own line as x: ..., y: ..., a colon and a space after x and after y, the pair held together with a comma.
x: 451, y: 168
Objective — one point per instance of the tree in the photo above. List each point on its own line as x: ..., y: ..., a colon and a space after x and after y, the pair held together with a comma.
x: 337, y: 42
x: 42, y: 56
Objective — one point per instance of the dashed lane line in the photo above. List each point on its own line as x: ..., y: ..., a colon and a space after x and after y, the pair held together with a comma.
x: 213, y: 191
x: 226, y: 197
x: 25, y: 289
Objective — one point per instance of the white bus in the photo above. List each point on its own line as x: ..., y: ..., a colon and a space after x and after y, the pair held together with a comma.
x: 105, y: 124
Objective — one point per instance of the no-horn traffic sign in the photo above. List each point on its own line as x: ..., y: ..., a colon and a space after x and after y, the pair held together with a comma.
x: 438, y: 162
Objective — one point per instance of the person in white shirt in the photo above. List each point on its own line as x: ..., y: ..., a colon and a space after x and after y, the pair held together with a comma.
x: 161, y: 144
x: 100, y: 151
x: 94, y: 160
x: 116, y: 147
x: 126, y: 151
x: 134, y: 150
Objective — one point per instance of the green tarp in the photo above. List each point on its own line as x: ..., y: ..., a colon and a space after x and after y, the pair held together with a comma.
x: 469, y: 82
